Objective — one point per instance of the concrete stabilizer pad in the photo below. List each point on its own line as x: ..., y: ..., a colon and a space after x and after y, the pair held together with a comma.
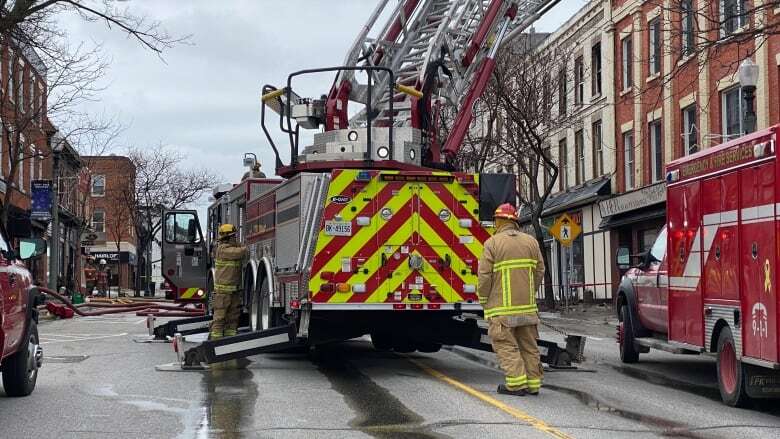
x: 177, y: 367
x: 150, y: 339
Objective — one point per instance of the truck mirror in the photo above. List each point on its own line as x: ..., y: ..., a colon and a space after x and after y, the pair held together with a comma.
x: 623, y: 258
x: 31, y: 247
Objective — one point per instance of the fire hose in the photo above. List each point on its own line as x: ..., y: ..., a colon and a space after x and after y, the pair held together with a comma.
x: 141, y: 308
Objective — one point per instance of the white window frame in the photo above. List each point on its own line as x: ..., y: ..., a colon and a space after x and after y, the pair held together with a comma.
x: 688, y: 27
x: 596, y: 70
x: 92, y: 221
x: 654, y: 46
x: 655, y: 131
x: 20, y: 84
x: 563, y: 163
x: 627, y: 59
x: 579, y: 81
x: 628, y: 160
x: 11, y: 75
x: 41, y: 108
x: 92, y: 185
x: 598, y: 148
x: 742, y: 19
x: 33, y: 157
x: 724, y: 112
x: 579, y: 153
x: 689, y: 126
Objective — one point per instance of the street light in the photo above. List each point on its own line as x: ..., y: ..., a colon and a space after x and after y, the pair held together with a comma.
x: 748, y: 77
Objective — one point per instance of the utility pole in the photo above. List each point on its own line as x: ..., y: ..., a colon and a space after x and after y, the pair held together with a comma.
x: 54, y: 248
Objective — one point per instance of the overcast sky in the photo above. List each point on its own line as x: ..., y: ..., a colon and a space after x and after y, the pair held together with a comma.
x: 203, y: 97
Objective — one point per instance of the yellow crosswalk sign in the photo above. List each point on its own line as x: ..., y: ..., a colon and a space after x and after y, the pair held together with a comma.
x: 565, y: 230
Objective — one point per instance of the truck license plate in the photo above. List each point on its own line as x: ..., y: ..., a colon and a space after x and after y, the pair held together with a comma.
x: 338, y: 228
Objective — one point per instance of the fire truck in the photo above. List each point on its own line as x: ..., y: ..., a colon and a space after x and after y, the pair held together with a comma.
x: 709, y: 283
x: 370, y: 229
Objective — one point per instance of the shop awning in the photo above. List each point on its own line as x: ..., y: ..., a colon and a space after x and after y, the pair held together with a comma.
x: 577, y: 196
x: 633, y: 217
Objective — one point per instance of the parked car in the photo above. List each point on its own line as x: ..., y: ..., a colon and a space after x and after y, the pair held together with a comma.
x: 21, y: 355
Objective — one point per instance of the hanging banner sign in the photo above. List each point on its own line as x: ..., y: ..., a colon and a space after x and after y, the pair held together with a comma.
x: 41, y: 200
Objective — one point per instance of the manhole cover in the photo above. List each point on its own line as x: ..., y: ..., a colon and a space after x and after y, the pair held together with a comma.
x: 64, y: 358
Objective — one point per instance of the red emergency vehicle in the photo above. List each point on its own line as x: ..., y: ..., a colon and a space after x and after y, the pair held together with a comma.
x: 709, y: 283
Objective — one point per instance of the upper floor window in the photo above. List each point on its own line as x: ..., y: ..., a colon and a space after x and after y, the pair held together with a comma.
x: 11, y: 78
x: 690, y: 132
x: 654, y: 46
x: 627, y: 59
x: 98, y: 185
x: 688, y: 29
x: 598, y: 149
x: 733, y: 15
x: 628, y: 159
x: 562, y: 91
x: 579, y: 153
x: 733, y: 112
x: 595, y: 69
x: 563, y: 164
x: 656, y: 150
x: 579, y: 82
x: 99, y: 220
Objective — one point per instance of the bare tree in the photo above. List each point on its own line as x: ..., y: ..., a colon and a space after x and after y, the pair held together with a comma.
x: 162, y: 183
x: 45, y: 79
x: 530, y: 83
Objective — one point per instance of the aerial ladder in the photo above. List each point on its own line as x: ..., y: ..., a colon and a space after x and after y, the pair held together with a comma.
x: 401, y: 75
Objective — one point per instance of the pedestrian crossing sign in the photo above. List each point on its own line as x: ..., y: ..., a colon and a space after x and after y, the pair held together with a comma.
x: 565, y: 230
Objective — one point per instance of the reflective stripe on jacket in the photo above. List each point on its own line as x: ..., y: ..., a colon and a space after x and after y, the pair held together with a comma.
x: 510, y: 271
x: 228, y: 261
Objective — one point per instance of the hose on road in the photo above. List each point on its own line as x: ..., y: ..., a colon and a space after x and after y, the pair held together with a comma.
x: 145, y: 307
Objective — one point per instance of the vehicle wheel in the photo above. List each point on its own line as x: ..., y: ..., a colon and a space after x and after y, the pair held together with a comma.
x: 20, y: 371
x: 262, y: 316
x: 731, y: 373
x: 625, y: 334
x: 428, y: 348
x: 404, y: 345
x: 382, y: 341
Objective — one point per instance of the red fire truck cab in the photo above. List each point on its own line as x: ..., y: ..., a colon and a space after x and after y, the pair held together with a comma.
x: 709, y: 284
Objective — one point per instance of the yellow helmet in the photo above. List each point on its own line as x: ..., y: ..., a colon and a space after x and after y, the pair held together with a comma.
x: 226, y: 231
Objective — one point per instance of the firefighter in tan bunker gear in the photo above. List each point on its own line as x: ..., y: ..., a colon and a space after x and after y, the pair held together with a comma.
x: 229, y: 259
x: 510, y: 271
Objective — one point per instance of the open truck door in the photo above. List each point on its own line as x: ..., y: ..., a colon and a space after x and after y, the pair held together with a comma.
x: 185, y: 258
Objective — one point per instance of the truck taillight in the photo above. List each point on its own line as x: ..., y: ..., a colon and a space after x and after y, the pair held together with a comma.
x: 327, y: 276
x: 295, y: 304
x: 399, y: 306
x: 434, y: 306
x: 342, y: 287
x: 328, y: 288
x: 416, y: 306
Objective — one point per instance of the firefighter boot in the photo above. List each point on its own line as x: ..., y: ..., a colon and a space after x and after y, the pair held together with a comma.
x: 504, y: 390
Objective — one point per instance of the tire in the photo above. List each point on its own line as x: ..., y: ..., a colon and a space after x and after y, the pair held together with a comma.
x: 261, y: 315
x: 382, y: 341
x: 428, y: 348
x: 628, y: 351
x: 20, y: 371
x: 731, y: 372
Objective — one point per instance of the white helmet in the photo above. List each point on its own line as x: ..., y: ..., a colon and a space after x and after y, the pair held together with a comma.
x: 102, y: 262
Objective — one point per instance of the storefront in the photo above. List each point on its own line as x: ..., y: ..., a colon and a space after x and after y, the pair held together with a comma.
x: 634, y: 220
x: 121, y: 266
x: 587, y: 261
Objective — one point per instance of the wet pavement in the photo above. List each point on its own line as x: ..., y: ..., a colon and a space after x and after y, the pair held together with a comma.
x: 97, y: 383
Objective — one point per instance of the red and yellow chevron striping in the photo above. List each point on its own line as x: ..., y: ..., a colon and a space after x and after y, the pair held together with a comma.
x: 398, y: 237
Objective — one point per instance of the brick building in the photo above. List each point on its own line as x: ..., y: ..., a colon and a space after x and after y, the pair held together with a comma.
x: 25, y: 153
x: 111, y: 191
x: 675, y: 94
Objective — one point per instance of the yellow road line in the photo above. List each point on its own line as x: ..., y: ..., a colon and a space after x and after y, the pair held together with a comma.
x: 515, y: 412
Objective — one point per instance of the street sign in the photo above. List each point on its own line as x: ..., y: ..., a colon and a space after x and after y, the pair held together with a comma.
x: 565, y: 230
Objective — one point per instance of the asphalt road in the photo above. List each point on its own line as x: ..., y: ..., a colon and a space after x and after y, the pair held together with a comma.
x: 97, y: 383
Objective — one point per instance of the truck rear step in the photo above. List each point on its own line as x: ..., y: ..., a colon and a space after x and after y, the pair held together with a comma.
x: 663, y: 345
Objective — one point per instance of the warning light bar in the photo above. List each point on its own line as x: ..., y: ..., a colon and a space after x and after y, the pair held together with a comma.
x: 422, y: 178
